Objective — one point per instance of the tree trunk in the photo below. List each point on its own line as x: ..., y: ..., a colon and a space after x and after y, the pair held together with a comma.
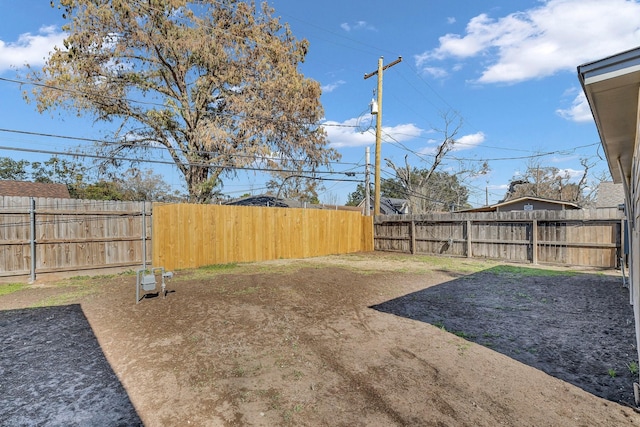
x: 198, y: 183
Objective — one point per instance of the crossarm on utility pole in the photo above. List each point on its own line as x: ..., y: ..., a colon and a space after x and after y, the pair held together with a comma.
x: 366, y: 76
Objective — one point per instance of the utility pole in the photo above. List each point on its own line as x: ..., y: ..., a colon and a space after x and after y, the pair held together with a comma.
x: 367, y: 195
x: 376, y: 204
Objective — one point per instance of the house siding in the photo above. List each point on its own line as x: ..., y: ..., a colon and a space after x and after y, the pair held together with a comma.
x: 634, y: 221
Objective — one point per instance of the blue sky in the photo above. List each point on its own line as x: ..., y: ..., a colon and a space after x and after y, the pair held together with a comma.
x: 506, y: 68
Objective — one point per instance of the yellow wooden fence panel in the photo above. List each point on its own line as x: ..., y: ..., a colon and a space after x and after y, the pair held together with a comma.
x: 188, y: 235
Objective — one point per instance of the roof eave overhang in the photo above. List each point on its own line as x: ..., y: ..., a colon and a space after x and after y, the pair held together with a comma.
x: 611, y: 86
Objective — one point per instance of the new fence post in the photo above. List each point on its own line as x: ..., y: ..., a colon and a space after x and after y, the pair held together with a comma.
x: 144, y: 234
x: 32, y: 224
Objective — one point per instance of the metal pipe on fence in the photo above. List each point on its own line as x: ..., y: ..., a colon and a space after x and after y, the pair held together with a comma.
x: 32, y: 223
x: 144, y: 234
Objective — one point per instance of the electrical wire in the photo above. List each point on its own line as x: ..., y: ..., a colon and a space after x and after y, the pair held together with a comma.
x: 185, y: 152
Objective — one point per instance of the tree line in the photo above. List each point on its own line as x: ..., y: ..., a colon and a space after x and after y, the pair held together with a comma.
x: 131, y: 184
x: 439, y: 191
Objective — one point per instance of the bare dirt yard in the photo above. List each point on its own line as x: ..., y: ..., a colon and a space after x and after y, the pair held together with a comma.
x: 372, y: 339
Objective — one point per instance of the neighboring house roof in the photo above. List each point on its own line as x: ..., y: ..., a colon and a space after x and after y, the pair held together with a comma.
x: 272, y: 201
x: 536, y: 203
x: 33, y: 189
x: 389, y: 206
x: 265, y: 200
x: 611, y: 86
x: 610, y: 195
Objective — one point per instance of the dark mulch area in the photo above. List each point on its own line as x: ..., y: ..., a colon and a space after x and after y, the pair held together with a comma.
x: 55, y: 374
x: 574, y: 327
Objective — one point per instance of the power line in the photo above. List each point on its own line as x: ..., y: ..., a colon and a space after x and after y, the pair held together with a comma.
x: 167, y: 162
x: 137, y: 101
x: 423, y: 156
x: 199, y: 152
x: 336, y: 125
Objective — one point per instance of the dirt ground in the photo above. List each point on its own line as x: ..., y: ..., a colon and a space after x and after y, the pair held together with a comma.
x: 362, y: 340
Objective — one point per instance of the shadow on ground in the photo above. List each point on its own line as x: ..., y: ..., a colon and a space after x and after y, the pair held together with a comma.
x: 55, y: 374
x: 576, y: 327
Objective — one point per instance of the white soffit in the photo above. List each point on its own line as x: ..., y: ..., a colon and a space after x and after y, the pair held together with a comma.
x: 611, y: 86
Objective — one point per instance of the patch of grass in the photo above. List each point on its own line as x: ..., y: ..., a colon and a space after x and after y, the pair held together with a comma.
x: 633, y: 367
x: 85, y: 279
x: 247, y: 291
x: 612, y: 372
x: 452, y: 264
x: 512, y: 270
x: 490, y: 335
x: 65, y: 298
x: 462, y: 348
x: 9, y: 288
x: 462, y: 334
x: 219, y: 267
x: 209, y: 271
x: 238, y: 371
x: 80, y: 281
x: 440, y: 325
x: 287, y: 416
x: 275, y: 399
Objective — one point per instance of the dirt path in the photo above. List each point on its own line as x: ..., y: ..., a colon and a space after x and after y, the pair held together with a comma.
x: 348, y: 341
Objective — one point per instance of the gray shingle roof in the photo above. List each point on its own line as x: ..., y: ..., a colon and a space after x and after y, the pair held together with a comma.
x: 33, y: 189
x: 610, y: 195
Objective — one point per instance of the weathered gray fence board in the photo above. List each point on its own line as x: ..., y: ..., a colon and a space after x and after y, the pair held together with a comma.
x: 72, y: 234
x: 577, y: 237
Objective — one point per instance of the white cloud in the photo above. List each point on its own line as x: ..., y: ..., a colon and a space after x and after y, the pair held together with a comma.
x: 29, y: 48
x: 451, y: 20
x: 573, y: 174
x: 358, y: 132
x: 328, y: 88
x: 436, y: 72
x: 470, y: 141
x: 556, y: 36
x: 465, y: 142
x: 358, y: 25
x: 579, y: 110
x: 498, y: 187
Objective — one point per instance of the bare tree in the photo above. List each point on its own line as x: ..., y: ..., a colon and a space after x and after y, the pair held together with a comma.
x: 417, y: 183
x: 550, y: 182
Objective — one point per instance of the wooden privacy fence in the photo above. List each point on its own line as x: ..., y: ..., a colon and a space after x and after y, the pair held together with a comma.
x: 188, y: 235
x: 44, y: 235
x: 571, y: 237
